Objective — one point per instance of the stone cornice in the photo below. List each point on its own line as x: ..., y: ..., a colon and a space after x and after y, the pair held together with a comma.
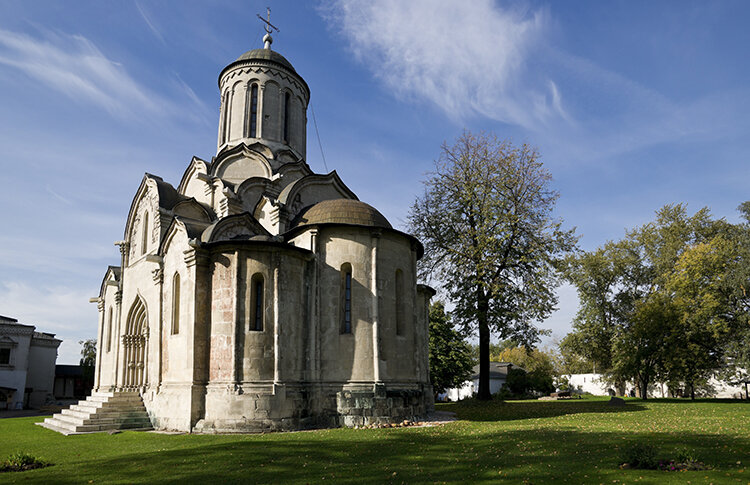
x: 16, y: 329
x: 45, y: 341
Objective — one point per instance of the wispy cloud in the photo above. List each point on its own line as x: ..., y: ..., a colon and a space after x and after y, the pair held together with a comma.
x: 150, y: 22
x: 73, y: 65
x: 203, y: 113
x: 466, y: 58
x: 624, y: 116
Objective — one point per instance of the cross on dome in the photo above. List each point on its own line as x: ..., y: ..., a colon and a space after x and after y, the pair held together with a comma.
x: 269, y: 27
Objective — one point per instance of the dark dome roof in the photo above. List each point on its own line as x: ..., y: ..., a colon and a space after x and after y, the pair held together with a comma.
x: 342, y: 211
x: 266, y: 55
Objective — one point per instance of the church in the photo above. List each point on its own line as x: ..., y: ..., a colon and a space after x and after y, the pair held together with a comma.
x: 258, y: 295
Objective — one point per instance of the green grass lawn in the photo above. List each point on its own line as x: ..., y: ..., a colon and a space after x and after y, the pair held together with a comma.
x: 518, y: 442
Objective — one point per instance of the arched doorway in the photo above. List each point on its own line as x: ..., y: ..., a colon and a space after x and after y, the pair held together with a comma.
x: 134, y: 346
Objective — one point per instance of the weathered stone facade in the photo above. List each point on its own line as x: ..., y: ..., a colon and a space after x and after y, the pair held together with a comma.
x: 257, y: 294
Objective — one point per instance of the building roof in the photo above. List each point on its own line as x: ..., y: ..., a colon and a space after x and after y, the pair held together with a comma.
x: 7, y: 319
x: 342, y: 211
x: 498, y: 370
x: 266, y: 55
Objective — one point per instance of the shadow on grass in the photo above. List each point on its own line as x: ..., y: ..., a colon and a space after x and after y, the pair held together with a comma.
x: 475, y: 410
x: 446, y: 454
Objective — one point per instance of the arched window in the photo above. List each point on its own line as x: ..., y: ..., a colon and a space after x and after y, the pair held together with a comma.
x: 399, y: 287
x: 225, y: 119
x: 176, y: 304
x: 144, y: 235
x: 286, y: 117
x: 254, y: 111
x: 346, y: 298
x: 256, y: 302
x: 109, y: 330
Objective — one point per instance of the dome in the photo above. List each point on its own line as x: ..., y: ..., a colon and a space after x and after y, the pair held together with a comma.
x: 342, y: 211
x: 265, y: 55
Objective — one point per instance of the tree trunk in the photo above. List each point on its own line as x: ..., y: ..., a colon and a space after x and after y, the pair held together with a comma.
x: 644, y: 388
x: 692, y: 391
x: 746, y: 394
x: 484, y: 346
x: 620, y: 388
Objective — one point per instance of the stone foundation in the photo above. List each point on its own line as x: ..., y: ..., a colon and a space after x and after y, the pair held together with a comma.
x: 381, y: 406
x: 266, y: 408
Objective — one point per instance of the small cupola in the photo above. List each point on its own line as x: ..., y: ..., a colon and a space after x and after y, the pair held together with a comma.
x: 263, y: 100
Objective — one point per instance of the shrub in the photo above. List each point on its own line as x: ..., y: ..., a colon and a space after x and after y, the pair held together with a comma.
x: 640, y: 455
x: 685, y: 455
x: 21, y: 461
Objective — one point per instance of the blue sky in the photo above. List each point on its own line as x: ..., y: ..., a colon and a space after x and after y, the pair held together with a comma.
x: 632, y: 105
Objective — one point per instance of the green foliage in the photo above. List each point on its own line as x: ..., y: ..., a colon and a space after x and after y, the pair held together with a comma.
x: 516, y: 382
x: 664, y: 302
x: 529, y: 359
x: 486, y: 220
x: 520, y: 383
x: 538, y: 369
x: 640, y: 455
x: 571, y: 358
x: 450, y: 356
x: 683, y: 454
x: 88, y: 358
x: 21, y: 461
x: 88, y: 353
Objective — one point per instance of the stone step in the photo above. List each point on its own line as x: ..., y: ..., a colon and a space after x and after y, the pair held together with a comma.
x: 51, y: 425
x: 97, y: 406
x: 105, y: 414
x: 113, y: 418
x: 71, y: 420
x: 102, y: 411
x: 76, y: 413
x: 55, y: 425
x: 88, y: 405
x: 115, y: 399
x: 67, y: 428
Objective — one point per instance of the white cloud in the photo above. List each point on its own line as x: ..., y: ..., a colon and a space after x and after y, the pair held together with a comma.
x: 467, y: 58
x: 60, y: 310
x: 74, y: 66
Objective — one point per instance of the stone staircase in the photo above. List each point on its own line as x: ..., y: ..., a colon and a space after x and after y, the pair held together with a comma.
x: 102, y: 411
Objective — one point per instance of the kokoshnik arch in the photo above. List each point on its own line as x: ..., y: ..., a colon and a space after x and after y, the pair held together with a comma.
x: 259, y: 294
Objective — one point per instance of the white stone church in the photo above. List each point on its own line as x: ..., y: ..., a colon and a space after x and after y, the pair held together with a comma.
x: 257, y: 294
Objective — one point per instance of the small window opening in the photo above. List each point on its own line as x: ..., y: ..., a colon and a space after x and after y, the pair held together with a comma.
x: 176, y: 304
x: 109, y: 330
x: 286, y: 117
x: 144, y: 235
x: 346, y: 298
x: 225, y: 119
x: 5, y: 356
x: 256, y: 322
x: 254, y: 111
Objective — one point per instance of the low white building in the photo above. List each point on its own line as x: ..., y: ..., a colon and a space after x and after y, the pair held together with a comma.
x: 589, y: 383
x: 596, y: 385
x: 27, y: 365
x: 498, y: 376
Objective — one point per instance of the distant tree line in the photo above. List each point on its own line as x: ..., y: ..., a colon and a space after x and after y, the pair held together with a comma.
x: 667, y: 303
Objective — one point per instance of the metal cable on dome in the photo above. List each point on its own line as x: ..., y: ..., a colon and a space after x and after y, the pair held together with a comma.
x: 315, y: 122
